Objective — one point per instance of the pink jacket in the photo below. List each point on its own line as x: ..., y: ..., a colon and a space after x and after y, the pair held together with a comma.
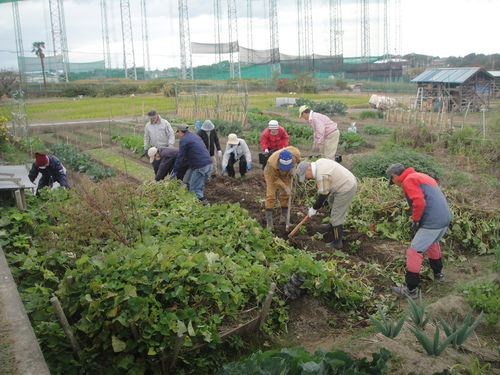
x: 322, y: 126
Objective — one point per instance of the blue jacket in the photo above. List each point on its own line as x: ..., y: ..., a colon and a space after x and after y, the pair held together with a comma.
x: 54, y: 172
x: 193, y: 150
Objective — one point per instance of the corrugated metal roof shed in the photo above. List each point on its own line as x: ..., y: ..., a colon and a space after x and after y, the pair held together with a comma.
x: 494, y: 73
x: 446, y: 75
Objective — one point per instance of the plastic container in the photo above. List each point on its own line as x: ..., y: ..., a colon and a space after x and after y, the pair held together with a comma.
x: 198, y: 125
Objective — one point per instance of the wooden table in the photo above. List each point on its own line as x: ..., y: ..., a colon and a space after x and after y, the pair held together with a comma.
x: 14, y: 178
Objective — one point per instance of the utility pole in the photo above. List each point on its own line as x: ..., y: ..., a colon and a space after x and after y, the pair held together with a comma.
x: 234, y: 67
x: 105, y: 38
x: 128, y: 41
x: 59, y: 39
x: 186, y: 59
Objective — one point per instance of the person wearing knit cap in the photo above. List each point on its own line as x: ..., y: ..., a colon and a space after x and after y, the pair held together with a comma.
x: 431, y: 216
x: 51, y: 170
x: 326, y: 132
x: 157, y: 133
x: 274, y: 137
x: 278, y: 176
x: 211, y: 140
x: 337, y: 185
x: 236, y: 151
x: 192, y: 151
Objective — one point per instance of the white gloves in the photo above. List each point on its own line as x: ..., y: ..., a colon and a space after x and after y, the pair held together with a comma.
x: 288, y: 191
x: 219, y: 153
x: 266, y: 151
x: 312, y: 212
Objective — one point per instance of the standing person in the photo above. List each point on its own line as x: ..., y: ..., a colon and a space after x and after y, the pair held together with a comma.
x: 193, y: 151
x: 51, y: 169
x: 274, y: 137
x: 278, y: 175
x: 431, y: 216
x: 326, y: 132
x: 335, y: 183
x: 211, y: 140
x: 166, y: 157
x: 236, y: 150
x: 157, y: 133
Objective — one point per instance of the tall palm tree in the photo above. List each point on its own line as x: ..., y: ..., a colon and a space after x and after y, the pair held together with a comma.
x: 38, y: 49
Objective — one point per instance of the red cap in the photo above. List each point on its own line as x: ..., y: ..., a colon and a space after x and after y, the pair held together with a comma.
x: 41, y: 160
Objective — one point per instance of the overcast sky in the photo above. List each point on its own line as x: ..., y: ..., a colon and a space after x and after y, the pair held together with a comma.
x: 432, y: 27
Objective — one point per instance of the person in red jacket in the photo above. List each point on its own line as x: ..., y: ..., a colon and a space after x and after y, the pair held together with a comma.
x: 273, y: 137
x: 431, y: 216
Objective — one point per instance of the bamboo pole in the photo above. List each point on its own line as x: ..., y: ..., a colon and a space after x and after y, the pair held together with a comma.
x: 177, y: 349
x: 64, y: 324
x: 267, y: 304
x: 133, y: 328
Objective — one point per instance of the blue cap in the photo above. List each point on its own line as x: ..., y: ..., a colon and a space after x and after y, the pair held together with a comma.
x: 286, y: 160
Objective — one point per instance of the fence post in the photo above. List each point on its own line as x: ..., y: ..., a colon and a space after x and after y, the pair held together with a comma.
x: 267, y: 304
x: 64, y: 324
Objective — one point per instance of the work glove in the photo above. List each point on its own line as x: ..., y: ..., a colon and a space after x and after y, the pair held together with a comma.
x: 219, y: 153
x: 223, y: 170
x: 145, y: 152
x: 312, y: 212
x: 249, y: 166
x: 288, y: 191
x: 266, y: 151
x: 414, y: 227
x: 173, y: 175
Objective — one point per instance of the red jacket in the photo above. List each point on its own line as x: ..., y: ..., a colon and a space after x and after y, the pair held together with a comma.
x: 270, y: 142
x: 426, y: 200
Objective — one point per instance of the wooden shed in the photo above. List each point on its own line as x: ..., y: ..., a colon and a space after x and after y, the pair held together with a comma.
x: 496, y: 82
x: 453, y: 89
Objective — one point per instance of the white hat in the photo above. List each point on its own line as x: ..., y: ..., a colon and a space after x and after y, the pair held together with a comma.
x: 152, y: 153
x: 302, y: 109
x: 232, y: 139
x: 273, y: 125
x: 207, y: 126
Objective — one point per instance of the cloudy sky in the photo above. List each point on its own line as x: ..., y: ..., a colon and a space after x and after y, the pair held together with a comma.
x: 431, y: 27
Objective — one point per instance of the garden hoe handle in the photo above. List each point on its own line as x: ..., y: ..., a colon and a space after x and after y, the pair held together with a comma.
x: 298, y: 226
x: 287, y: 225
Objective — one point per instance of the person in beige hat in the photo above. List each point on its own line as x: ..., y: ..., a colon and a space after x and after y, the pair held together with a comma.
x: 165, y: 157
x: 326, y: 132
x: 236, y: 151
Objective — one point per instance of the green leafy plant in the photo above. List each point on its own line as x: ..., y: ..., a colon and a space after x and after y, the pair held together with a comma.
x: 376, y: 129
x: 417, y: 313
x: 329, y: 108
x: 298, y: 361
x: 134, y: 143
x: 387, y: 327
x: 474, y: 368
x: 485, y: 296
x: 433, y: 348
x: 376, y: 164
x: 70, y: 156
x: 464, y: 331
x: 371, y: 114
x: 351, y: 140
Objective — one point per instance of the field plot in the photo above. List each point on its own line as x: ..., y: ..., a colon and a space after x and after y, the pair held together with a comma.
x: 343, y: 286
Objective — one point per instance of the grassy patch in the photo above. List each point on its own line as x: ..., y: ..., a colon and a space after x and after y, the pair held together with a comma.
x: 7, y: 361
x: 96, y: 107
x: 123, y: 164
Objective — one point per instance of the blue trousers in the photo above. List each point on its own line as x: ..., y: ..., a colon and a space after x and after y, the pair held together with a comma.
x: 198, y: 178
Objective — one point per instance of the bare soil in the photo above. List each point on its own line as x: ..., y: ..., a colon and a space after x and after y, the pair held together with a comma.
x: 312, y: 324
